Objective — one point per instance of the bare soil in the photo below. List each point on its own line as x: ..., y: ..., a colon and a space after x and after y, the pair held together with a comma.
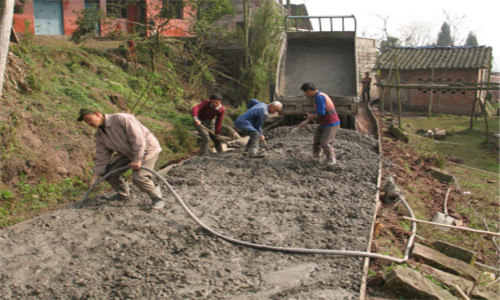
x: 122, y: 250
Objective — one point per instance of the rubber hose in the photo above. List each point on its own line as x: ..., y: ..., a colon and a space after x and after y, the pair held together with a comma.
x: 248, y: 244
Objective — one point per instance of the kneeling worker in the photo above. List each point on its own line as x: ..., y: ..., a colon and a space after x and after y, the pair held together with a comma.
x: 251, y: 121
x: 122, y: 140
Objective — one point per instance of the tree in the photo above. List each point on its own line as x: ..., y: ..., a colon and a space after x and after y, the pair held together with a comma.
x: 455, y: 22
x: 88, y: 21
x: 207, y: 37
x: 262, y: 50
x: 6, y: 14
x: 444, y: 37
x: 388, y: 43
x: 415, y: 34
x: 471, y: 40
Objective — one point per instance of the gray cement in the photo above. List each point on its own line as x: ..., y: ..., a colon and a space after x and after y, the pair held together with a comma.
x: 115, y: 250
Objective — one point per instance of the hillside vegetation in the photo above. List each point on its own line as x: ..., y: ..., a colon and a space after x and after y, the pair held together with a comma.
x: 46, y: 156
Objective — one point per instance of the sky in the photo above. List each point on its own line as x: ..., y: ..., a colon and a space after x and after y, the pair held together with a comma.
x: 479, y: 17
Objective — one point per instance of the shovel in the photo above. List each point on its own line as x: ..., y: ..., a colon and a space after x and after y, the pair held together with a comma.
x: 265, y: 145
x: 301, y: 124
x: 444, y: 218
x: 221, y: 136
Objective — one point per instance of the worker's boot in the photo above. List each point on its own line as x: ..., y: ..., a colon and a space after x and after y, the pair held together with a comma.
x: 316, y: 151
x: 257, y: 154
x: 205, y: 149
x: 122, y: 193
x: 156, y: 197
x: 330, y: 157
x: 218, y: 148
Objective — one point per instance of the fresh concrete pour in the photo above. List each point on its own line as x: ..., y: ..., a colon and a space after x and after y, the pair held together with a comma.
x: 110, y: 249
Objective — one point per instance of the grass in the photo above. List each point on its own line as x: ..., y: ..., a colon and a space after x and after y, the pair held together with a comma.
x: 463, y: 144
x: 476, y: 173
x: 38, y: 131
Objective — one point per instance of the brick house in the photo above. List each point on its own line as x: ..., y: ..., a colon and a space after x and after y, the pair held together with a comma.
x: 453, y: 71
x: 235, y: 21
x: 58, y: 17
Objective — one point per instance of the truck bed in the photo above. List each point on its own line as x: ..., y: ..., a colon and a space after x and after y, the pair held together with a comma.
x: 326, y: 58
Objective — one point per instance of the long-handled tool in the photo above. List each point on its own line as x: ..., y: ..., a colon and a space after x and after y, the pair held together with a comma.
x: 444, y: 218
x: 301, y: 124
x: 265, y: 145
x: 208, y: 129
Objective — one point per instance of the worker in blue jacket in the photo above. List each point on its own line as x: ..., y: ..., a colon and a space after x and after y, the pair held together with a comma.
x: 251, y: 123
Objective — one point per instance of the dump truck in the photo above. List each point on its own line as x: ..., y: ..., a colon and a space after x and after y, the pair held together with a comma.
x: 326, y: 56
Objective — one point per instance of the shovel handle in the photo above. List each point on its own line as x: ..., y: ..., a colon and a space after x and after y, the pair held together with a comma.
x: 207, y: 129
x: 265, y: 144
x: 301, y: 124
x: 445, y: 209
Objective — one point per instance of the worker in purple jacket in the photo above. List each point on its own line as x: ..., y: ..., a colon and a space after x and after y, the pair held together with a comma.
x: 208, y: 115
x: 329, y: 122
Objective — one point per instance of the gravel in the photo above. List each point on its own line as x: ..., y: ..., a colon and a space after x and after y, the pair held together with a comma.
x: 122, y: 250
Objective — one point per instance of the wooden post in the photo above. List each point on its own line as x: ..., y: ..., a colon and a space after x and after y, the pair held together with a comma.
x: 397, y: 92
x: 382, y: 91
x: 431, y: 95
x: 473, y: 110
x: 482, y: 104
x: 246, y: 28
x: 389, y: 77
x: 486, y: 98
x: 390, y: 104
x: 439, y: 94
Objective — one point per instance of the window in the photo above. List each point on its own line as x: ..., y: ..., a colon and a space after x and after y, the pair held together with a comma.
x: 172, y: 9
x: 116, y: 8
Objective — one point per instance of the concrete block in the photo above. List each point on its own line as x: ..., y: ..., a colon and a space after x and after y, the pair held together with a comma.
x: 411, y: 284
x: 441, y: 175
x: 454, y: 251
x: 478, y: 291
x: 399, y: 134
x: 445, y: 263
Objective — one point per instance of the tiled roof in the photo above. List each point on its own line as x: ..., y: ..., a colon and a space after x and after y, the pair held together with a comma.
x: 436, y: 57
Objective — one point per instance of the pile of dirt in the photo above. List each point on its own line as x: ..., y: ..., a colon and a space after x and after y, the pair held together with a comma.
x: 122, y: 250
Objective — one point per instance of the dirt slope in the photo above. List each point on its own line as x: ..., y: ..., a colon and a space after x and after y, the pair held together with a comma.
x: 121, y: 250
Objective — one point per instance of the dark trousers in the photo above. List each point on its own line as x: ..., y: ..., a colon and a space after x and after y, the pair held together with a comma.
x: 366, y: 91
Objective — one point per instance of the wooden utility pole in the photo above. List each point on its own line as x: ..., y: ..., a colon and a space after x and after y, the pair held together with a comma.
x: 431, y: 95
x: 6, y: 14
x: 246, y: 28
x: 400, y: 109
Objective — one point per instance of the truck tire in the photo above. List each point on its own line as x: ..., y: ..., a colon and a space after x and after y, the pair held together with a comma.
x: 291, y: 120
x: 348, y: 121
x: 351, y: 121
x: 343, y: 121
x: 287, y: 120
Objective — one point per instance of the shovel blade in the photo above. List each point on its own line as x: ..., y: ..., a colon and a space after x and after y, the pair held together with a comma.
x: 441, y: 218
